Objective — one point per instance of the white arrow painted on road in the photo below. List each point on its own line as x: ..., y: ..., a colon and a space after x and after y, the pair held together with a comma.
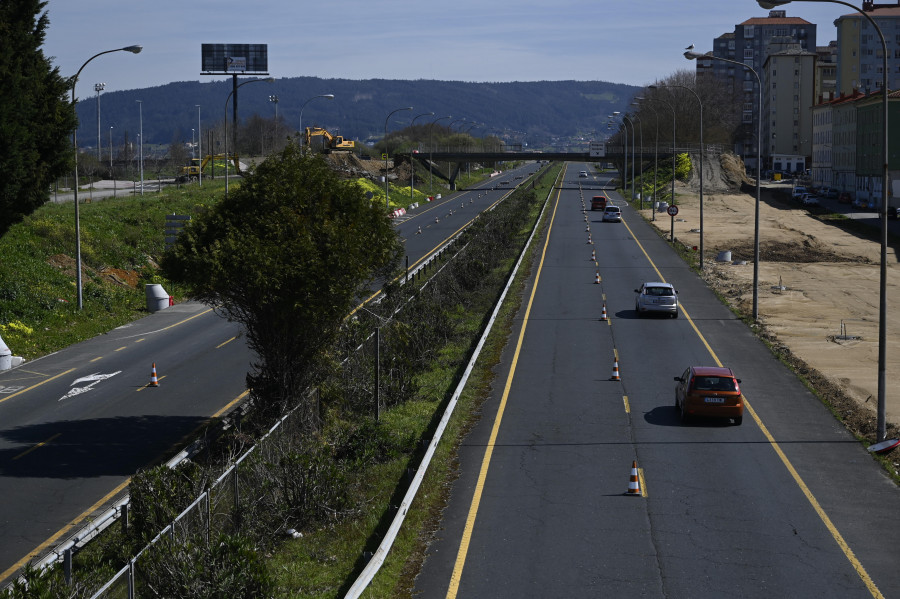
x: 92, y: 379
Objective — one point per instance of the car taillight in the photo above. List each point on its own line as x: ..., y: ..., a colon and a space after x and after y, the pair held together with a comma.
x: 736, y: 386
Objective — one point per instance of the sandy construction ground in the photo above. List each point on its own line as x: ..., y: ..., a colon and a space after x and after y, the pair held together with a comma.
x: 818, y: 290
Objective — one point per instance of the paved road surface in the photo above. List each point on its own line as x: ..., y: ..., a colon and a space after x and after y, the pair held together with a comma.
x: 785, y: 505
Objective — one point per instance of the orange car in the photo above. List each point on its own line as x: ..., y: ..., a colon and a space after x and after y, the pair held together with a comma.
x: 709, y: 391
x: 598, y: 203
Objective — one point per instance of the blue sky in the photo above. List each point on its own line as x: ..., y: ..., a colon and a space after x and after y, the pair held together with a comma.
x: 626, y: 41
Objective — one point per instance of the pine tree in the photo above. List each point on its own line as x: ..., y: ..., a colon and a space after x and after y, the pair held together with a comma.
x: 36, y: 115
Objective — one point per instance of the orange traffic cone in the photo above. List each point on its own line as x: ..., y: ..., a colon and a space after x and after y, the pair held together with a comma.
x: 603, y: 317
x: 590, y: 241
x: 634, y: 481
x: 615, y: 374
x: 154, y: 382
x: 597, y: 278
x: 587, y: 228
x: 593, y: 255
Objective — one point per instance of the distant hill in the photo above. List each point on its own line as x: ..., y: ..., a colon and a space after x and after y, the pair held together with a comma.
x: 538, y: 111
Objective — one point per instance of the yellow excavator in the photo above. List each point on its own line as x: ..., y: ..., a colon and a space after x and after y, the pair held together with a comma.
x: 333, y: 143
x: 191, y: 172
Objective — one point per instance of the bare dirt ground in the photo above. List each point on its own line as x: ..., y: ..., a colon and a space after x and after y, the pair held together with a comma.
x: 818, y: 292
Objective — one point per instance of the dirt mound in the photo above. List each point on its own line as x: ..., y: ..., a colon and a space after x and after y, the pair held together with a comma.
x: 808, y: 250
x: 721, y: 173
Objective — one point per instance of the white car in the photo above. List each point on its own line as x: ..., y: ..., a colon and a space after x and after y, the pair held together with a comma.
x: 656, y: 297
x: 808, y: 199
x: 583, y: 174
x: 612, y: 214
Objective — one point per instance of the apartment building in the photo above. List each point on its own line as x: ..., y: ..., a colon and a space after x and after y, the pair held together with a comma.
x: 788, y: 83
x: 842, y: 140
x: 749, y: 45
x: 826, y: 72
x: 860, y: 52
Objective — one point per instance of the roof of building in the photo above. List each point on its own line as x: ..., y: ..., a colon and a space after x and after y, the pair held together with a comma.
x: 776, y: 21
x: 727, y: 35
x: 891, y: 11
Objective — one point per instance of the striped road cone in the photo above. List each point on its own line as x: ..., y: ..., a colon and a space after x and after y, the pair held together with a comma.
x: 154, y: 382
x: 634, y: 481
x: 615, y: 374
x: 593, y: 255
x: 603, y: 317
x: 597, y: 278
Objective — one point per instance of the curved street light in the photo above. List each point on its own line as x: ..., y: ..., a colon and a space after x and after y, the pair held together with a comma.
x: 626, y: 118
x: 672, y: 108
x: 702, y: 150
x: 133, y: 50
x: 231, y: 93
x: 881, y: 425
x: 300, y: 126
x: 387, y: 202
x: 690, y: 55
x: 412, y: 167
x: 637, y: 102
x: 655, y: 158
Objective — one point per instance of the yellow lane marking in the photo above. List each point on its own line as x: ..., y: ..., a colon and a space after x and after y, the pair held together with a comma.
x: 147, y: 386
x: 231, y: 403
x: 97, y: 359
x: 489, y: 451
x: 836, y: 535
x: 121, y: 348
x: 627, y: 405
x: 643, y: 482
x: 41, y: 444
x: 32, y: 387
x: 139, y: 340
x: 77, y: 521
x: 224, y: 343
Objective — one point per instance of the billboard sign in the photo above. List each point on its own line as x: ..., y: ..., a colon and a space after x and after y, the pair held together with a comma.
x: 229, y: 59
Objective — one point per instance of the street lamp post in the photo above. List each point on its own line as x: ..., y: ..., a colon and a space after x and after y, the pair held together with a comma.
x: 655, y: 159
x: 387, y: 202
x: 193, y: 142
x: 99, y: 87
x: 672, y: 108
x: 231, y: 93
x: 300, y: 126
x: 274, y: 100
x: 690, y: 55
x: 431, y: 150
x: 141, y: 140
x: 627, y: 119
x: 133, y: 50
x: 637, y: 103
x: 199, y: 148
x: 702, y: 151
x: 881, y: 425
x: 412, y: 167
x: 111, y: 173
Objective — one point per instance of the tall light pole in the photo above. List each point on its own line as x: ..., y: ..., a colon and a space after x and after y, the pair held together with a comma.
x: 274, y: 100
x: 412, y: 167
x: 133, y: 50
x: 231, y: 93
x: 450, y: 129
x: 641, y: 152
x: 141, y: 140
x: 199, y: 148
x: 882, y: 286
x: 193, y: 142
x: 111, y: 173
x: 702, y: 150
x: 625, y: 118
x: 300, y: 127
x: 655, y: 158
x: 387, y: 202
x: 99, y: 87
x: 431, y: 149
x: 672, y: 232
x: 690, y: 55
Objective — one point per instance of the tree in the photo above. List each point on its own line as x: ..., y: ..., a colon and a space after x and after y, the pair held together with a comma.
x: 287, y: 254
x: 36, y: 117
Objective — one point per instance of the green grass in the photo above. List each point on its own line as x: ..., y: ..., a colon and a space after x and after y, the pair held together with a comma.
x: 38, y: 297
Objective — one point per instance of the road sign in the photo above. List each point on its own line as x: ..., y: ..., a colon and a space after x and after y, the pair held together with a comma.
x: 672, y: 210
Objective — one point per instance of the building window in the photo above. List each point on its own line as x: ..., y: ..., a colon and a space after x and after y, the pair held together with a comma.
x: 748, y: 53
x: 748, y: 31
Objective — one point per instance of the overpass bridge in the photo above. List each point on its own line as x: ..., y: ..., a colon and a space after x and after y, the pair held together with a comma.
x: 615, y: 154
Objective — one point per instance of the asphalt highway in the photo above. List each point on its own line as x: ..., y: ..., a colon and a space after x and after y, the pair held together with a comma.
x: 77, y: 424
x: 787, y: 504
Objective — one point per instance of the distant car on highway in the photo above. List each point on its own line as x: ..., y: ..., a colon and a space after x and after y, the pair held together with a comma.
x: 612, y: 214
x: 656, y: 297
x: 709, y: 391
x: 583, y: 174
x: 598, y: 203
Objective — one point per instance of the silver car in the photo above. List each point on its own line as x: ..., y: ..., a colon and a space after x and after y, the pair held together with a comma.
x: 656, y: 297
x: 612, y: 214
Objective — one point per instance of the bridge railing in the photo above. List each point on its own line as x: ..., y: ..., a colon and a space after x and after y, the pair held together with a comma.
x: 617, y: 150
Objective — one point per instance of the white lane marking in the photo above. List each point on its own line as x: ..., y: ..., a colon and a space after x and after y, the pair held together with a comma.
x: 93, y: 379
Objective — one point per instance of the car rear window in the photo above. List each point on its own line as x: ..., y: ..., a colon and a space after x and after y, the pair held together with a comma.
x: 713, y: 383
x: 660, y: 291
